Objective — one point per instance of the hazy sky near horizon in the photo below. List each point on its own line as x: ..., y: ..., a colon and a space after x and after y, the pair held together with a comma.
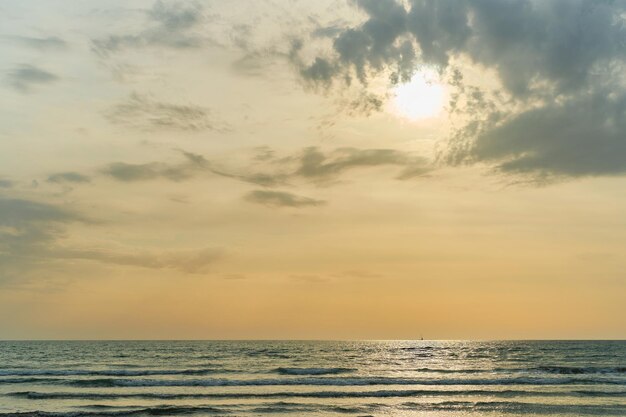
x: 312, y: 169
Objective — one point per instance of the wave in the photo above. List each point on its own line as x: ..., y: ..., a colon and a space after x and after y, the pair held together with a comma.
x: 34, y: 395
x: 313, y: 371
x: 164, y: 410
x: 112, y: 372
x: 308, y: 376
x: 559, y: 370
x: 331, y: 381
x: 501, y: 407
x: 575, y: 370
x: 31, y: 380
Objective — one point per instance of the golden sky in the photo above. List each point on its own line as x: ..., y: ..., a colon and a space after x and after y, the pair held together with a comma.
x: 313, y: 170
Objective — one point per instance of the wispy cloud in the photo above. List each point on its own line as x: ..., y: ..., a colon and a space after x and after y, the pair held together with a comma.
x: 281, y: 199
x: 273, y: 170
x: 309, y: 278
x: 317, y: 165
x: 122, y: 171
x: 27, y: 230
x: 24, y: 77
x: 189, y: 261
x: 47, y: 43
x: 64, y: 177
x: 145, y: 113
x: 31, y: 238
x: 170, y: 25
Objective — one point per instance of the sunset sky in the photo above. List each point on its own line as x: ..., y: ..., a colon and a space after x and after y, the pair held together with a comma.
x: 306, y: 169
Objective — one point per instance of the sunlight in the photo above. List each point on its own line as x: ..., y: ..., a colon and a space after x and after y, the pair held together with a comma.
x: 421, y: 98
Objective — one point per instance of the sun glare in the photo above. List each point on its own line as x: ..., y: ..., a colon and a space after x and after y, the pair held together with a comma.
x: 421, y: 98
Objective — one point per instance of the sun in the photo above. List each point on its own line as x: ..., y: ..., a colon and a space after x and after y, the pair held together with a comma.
x: 420, y: 98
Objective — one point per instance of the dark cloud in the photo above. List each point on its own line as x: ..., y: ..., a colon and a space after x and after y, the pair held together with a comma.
x: 321, y: 71
x: 281, y: 199
x: 51, y: 42
x: 63, y: 177
x: 524, y: 40
x: 24, y: 77
x: 171, y: 25
x: 581, y: 137
x: 145, y: 113
x: 555, y: 60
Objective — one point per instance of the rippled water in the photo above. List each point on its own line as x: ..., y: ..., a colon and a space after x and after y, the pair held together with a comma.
x: 412, y: 378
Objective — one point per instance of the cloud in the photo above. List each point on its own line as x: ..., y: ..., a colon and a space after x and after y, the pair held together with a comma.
x: 63, y: 177
x: 523, y: 40
x: 170, y: 25
x: 189, y: 261
x: 234, y: 277
x: 144, y: 113
x: 192, y: 166
x: 314, y: 164
x: 281, y: 199
x: 51, y: 42
x: 27, y: 229
x: 357, y: 273
x: 585, y: 136
x: 309, y: 278
x: 24, y: 77
x: 554, y: 61
x: 6, y: 183
x: 18, y: 213
x: 122, y: 171
x: 308, y: 164
x: 31, y: 240
x: 363, y: 103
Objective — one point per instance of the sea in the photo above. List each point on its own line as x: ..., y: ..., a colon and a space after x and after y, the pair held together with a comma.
x: 311, y: 378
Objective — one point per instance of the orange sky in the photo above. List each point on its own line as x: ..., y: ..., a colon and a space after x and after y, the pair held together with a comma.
x: 191, y: 170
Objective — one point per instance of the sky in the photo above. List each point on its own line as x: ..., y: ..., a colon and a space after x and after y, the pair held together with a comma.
x: 273, y: 169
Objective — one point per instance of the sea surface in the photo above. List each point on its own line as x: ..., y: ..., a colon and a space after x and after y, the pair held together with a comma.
x: 288, y: 378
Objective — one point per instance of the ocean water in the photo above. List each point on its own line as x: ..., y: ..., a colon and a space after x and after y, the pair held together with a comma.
x: 288, y: 378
